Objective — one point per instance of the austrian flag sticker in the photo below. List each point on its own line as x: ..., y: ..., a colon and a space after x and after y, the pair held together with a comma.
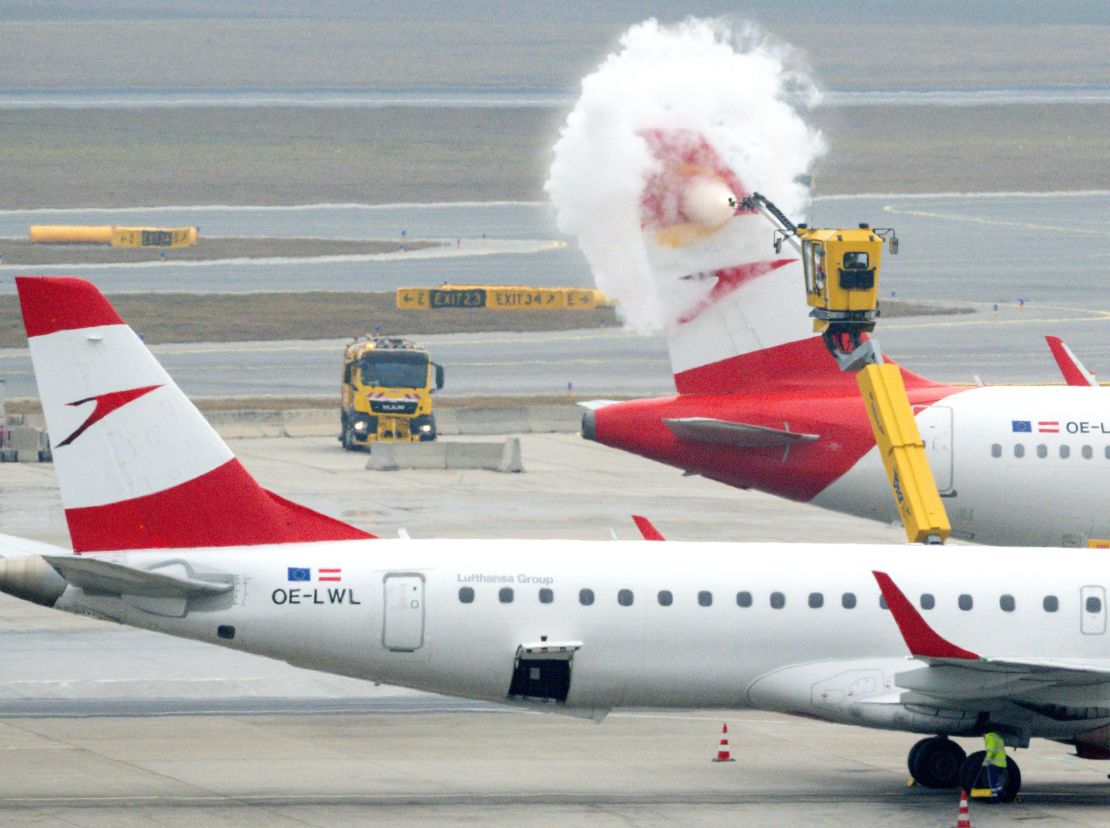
x: 303, y: 574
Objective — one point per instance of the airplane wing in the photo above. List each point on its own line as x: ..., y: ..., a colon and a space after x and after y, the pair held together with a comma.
x: 102, y: 576
x: 729, y: 433
x: 954, y: 673
x: 1075, y: 373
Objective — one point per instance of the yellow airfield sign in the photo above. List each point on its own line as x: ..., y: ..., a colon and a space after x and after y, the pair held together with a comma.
x: 500, y: 297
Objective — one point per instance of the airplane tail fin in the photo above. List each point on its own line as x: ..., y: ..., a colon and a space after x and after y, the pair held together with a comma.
x: 138, y: 466
x: 740, y: 320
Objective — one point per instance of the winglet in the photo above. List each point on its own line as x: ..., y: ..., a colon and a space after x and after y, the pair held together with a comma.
x: 647, y: 529
x: 919, y: 636
x: 1075, y: 373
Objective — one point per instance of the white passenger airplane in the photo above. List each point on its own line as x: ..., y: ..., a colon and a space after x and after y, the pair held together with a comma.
x: 171, y: 534
x: 760, y: 403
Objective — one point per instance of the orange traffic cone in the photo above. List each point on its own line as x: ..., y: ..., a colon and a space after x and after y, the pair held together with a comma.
x: 723, y: 753
x: 964, y: 820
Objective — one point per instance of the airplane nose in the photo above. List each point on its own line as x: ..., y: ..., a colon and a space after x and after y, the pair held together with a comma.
x: 589, y: 425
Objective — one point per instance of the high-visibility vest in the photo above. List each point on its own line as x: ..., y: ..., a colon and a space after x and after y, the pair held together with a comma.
x: 996, y: 749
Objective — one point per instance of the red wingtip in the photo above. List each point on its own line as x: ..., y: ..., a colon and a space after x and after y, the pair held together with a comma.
x: 647, y: 529
x: 1073, y: 371
x: 916, y: 632
x: 62, y: 303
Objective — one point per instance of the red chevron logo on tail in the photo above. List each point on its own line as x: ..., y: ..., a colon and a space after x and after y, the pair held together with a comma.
x: 105, y: 405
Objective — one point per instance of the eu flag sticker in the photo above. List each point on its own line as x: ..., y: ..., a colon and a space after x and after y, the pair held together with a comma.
x: 296, y: 573
x: 1023, y: 425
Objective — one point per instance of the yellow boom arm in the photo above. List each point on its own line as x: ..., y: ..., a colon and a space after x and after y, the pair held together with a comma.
x: 903, y: 453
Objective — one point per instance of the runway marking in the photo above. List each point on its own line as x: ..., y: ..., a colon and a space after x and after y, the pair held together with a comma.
x: 888, y: 208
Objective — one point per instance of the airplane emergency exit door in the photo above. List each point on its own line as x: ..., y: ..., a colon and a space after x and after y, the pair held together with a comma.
x: 403, y: 625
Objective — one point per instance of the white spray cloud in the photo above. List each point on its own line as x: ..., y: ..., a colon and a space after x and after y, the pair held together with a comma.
x: 732, y: 86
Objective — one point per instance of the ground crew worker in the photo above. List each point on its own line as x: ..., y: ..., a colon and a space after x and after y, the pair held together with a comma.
x: 995, y: 762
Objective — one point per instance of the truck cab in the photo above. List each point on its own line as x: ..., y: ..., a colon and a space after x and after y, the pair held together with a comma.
x: 386, y: 392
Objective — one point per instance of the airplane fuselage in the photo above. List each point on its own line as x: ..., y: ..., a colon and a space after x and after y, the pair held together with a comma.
x: 1016, y: 465
x: 585, y: 627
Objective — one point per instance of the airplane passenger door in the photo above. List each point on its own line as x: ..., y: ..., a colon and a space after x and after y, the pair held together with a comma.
x: 1092, y: 600
x: 935, y: 424
x: 403, y: 625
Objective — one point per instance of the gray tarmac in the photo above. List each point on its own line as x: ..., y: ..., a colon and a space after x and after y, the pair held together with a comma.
x: 104, y: 725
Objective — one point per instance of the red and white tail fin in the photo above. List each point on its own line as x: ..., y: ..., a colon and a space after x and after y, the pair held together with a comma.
x: 740, y: 320
x: 137, y: 464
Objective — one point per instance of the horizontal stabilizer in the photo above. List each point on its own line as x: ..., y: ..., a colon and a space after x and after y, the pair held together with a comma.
x: 102, y: 576
x: 728, y: 433
x: 593, y: 405
x: 13, y: 547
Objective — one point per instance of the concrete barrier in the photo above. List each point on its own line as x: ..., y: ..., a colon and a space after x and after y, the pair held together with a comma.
x: 26, y: 443
x: 504, y: 456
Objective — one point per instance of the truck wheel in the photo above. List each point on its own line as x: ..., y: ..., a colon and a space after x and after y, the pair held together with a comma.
x: 348, y: 438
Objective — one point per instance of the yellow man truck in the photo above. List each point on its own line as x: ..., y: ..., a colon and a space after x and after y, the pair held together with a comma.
x: 386, y: 392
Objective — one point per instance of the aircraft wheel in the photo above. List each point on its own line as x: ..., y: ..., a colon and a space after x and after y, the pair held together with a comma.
x: 970, y: 769
x: 936, y: 762
x: 1013, y: 781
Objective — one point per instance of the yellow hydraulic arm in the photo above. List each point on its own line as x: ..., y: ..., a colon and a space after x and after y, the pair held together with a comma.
x: 903, y: 453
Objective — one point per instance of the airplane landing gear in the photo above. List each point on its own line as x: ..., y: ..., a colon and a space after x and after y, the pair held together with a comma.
x: 936, y: 762
x: 969, y: 770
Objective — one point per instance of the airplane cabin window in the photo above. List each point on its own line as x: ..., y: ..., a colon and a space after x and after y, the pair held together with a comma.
x: 1019, y: 450
x: 505, y: 595
x: 1051, y: 603
x: 546, y: 596
x: 816, y: 600
x: 665, y: 598
x: 585, y: 597
x: 1093, y: 604
x: 466, y: 595
x: 848, y: 600
x: 1087, y: 452
x: 624, y: 597
x: 1042, y: 451
x: 778, y: 600
x: 705, y: 598
x: 1065, y: 452
x: 996, y: 449
x: 927, y: 601
x: 1007, y: 603
x: 743, y: 599
x: 882, y: 603
x: 965, y: 602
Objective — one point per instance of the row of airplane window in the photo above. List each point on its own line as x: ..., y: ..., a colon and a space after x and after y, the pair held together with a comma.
x: 1086, y: 452
x: 777, y: 600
